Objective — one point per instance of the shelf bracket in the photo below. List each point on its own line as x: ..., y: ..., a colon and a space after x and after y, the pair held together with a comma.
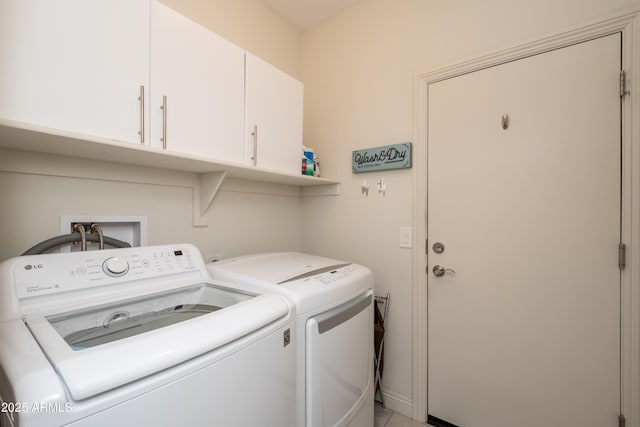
x: 209, y: 184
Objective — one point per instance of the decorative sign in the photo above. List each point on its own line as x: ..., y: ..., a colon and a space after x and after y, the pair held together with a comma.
x: 397, y: 156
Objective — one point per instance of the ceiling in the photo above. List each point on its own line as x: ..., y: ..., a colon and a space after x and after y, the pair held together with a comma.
x: 304, y: 14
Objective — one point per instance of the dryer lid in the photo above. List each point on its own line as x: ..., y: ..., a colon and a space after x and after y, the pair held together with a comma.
x: 103, y: 347
x: 275, y: 268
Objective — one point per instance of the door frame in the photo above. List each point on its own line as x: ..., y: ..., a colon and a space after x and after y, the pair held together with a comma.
x: 628, y: 23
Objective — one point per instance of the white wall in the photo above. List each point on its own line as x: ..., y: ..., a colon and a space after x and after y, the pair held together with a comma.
x: 37, y: 189
x: 359, y: 71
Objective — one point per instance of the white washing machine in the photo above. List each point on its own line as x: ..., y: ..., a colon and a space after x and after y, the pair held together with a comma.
x: 141, y: 336
x: 335, y: 320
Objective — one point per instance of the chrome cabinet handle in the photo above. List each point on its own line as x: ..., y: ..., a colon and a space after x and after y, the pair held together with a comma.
x: 439, y: 271
x: 141, y: 99
x: 163, y: 107
x: 255, y: 145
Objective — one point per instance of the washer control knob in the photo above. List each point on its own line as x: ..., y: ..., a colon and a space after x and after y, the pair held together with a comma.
x: 115, y: 266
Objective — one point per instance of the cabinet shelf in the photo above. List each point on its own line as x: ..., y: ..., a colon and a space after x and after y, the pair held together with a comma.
x: 26, y: 137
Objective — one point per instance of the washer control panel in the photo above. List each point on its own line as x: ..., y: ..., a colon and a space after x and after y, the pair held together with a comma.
x: 51, y: 273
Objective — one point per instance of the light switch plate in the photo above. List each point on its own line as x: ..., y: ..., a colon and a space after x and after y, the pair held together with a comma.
x: 406, y: 240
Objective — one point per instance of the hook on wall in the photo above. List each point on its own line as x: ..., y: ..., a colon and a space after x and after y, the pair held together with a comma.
x: 382, y: 186
x: 365, y: 188
x: 505, y: 121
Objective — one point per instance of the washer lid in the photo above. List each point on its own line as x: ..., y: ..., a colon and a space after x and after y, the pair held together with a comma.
x: 100, y: 348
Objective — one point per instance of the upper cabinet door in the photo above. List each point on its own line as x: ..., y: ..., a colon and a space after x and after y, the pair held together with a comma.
x: 75, y: 65
x: 199, y: 77
x: 273, y: 131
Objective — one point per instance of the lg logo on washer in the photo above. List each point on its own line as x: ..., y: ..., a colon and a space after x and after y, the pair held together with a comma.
x: 32, y: 267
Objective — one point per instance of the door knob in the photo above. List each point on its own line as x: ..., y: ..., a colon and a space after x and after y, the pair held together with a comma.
x: 439, y: 271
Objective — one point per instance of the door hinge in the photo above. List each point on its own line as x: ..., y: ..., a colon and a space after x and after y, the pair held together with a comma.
x: 623, y: 83
x: 622, y: 422
x: 622, y: 256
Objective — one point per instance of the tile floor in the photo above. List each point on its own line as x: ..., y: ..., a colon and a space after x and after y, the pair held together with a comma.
x: 387, y: 418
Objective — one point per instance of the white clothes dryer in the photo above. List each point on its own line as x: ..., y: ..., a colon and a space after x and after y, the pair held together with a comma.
x: 141, y: 336
x: 335, y: 320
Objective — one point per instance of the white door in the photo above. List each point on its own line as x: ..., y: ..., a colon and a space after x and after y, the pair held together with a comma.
x: 75, y: 65
x: 524, y: 328
x: 197, y: 89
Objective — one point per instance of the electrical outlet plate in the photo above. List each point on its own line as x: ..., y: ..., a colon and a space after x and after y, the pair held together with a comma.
x: 131, y: 229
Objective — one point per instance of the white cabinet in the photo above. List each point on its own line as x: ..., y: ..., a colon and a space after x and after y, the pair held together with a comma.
x: 135, y: 71
x: 199, y: 77
x: 273, y: 117
x: 75, y: 65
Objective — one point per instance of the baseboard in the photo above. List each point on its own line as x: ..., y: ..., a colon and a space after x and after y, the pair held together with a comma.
x: 398, y: 403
